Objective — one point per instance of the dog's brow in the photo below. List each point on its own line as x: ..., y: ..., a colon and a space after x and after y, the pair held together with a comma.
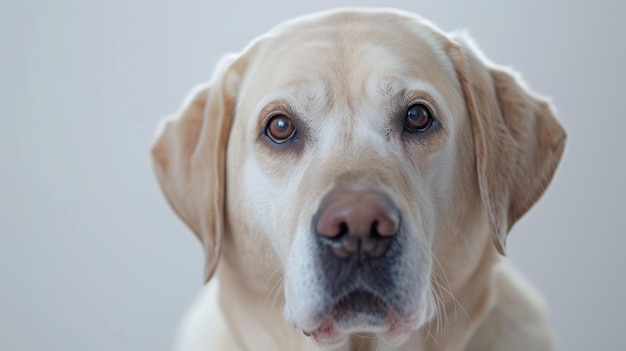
x: 298, y: 92
x: 385, y: 87
x: 281, y: 95
x: 315, y: 96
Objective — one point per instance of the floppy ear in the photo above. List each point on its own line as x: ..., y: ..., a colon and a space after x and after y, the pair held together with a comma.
x: 189, y: 158
x: 518, y: 140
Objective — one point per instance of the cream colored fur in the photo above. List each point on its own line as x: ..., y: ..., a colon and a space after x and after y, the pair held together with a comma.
x: 461, y: 189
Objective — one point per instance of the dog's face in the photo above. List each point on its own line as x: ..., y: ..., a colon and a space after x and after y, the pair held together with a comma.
x: 359, y: 156
x: 352, y: 127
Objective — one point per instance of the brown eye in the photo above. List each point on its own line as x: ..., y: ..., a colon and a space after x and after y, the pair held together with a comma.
x: 418, y: 118
x: 280, y: 128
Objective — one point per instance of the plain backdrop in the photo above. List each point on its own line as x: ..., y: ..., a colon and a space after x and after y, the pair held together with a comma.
x: 91, y: 256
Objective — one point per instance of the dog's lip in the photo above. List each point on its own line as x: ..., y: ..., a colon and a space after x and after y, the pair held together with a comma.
x: 359, y: 300
x: 358, y: 305
x: 395, y: 332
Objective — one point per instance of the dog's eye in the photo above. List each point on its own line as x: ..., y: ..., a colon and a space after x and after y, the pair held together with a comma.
x: 280, y: 128
x: 418, y: 119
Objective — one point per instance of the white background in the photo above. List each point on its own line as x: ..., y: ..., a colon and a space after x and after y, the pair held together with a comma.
x: 92, y: 258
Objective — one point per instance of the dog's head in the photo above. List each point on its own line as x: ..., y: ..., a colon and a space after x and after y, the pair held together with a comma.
x: 361, y: 156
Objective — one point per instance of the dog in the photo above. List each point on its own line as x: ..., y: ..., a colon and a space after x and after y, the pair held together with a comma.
x: 355, y: 174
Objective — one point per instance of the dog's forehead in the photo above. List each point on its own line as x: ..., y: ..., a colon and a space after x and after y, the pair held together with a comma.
x: 344, y: 55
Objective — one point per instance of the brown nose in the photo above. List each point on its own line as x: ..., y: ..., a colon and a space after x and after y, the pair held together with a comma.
x: 357, y: 223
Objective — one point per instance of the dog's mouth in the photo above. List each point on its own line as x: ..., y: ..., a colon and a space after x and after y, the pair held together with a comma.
x: 360, y: 304
x: 361, y: 311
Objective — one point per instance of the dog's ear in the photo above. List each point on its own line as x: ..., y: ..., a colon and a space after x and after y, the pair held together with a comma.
x: 517, y: 138
x: 189, y: 158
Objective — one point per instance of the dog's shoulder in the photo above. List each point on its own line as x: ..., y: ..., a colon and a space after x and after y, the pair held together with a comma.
x: 204, y: 327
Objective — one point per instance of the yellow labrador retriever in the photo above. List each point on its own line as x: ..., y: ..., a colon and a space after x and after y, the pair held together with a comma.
x: 355, y: 174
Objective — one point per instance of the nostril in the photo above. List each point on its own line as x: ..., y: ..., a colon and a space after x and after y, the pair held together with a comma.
x: 374, y: 234
x: 332, y: 228
x: 343, y: 230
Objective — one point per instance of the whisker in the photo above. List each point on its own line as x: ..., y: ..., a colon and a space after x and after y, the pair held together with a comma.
x: 279, y: 291
x: 270, y: 276
x: 449, y: 291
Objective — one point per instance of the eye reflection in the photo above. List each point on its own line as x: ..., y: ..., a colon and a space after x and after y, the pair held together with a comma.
x: 280, y: 128
x: 418, y: 119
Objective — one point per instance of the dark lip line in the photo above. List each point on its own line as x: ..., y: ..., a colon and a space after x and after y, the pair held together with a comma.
x: 329, y: 311
x: 359, y: 290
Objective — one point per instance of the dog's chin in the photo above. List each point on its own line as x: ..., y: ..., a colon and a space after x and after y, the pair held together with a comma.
x: 361, y: 312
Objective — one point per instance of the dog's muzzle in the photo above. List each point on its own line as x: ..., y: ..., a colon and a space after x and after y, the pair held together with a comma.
x: 359, y: 238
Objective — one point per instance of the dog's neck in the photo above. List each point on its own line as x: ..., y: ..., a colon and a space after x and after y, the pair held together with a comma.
x: 463, y: 304
x: 256, y: 323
